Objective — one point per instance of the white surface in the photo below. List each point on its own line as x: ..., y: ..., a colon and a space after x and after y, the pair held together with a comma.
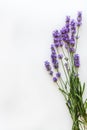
x: 28, y: 98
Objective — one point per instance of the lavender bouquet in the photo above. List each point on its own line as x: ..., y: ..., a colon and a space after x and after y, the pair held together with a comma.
x: 64, y: 69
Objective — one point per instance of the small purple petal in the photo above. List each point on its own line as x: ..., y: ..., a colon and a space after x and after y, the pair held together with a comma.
x: 60, y: 56
x: 72, y: 50
x: 79, y: 19
x: 57, y: 44
x: 61, y: 44
x: 67, y: 19
x: 76, y: 60
x: 54, y: 79
x: 58, y: 74
x: 47, y: 65
x: 55, y: 33
x: 51, y: 72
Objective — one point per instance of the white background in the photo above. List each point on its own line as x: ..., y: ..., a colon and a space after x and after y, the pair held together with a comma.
x: 29, y: 100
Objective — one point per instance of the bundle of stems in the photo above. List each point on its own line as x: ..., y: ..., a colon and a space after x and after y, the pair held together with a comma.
x: 64, y: 70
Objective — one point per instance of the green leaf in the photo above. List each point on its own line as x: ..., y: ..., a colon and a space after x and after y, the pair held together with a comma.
x: 63, y: 91
x: 83, y: 88
x: 78, y: 96
x: 85, y: 104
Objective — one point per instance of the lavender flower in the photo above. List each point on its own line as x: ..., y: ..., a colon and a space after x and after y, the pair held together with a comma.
x: 54, y: 57
x: 47, y: 65
x: 48, y: 68
x: 58, y: 74
x: 79, y: 19
x: 71, y: 49
x: 57, y: 44
x: 60, y: 56
x: 57, y: 39
x: 54, y: 79
x: 67, y: 20
x: 73, y: 27
x: 55, y: 33
x: 72, y: 40
x: 51, y: 73
x: 52, y: 48
x: 65, y: 35
x: 70, y: 85
x: 76, y: 60
x: 67, y: 24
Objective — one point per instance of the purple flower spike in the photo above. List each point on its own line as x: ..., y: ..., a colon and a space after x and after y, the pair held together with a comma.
x: 76, y: 60
x: 58, y: 74
x: 61, y: 44
x: 54, y: 79
x: 63, y: 30
x: 51, y: 73
x: 72, y: 40
x: 55, y: 34
x: 47, y: 65
x: 64, y: 34
x: 76, y: 56
x: 57, y: 38
x: 56, y: 65
x: 54, y: 57
x: 67, y: 24
x: 57, y: 44
x: 73, y: 23
x: 72, y: 50
x: 73, y: 27
x: 79, y: 24
x: 67, y: 19
x: 60, y: 56
x: 52, y: 47
x: 79, y: 19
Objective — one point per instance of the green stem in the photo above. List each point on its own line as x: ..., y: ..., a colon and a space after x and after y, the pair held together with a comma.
x: 64, y: 84
x: 63, y: 89
x: 68, y: 59
x: 77, y: 38
x: 65, y: 71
